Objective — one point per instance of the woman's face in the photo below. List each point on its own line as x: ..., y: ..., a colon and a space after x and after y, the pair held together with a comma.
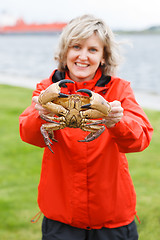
x: 84, y: 58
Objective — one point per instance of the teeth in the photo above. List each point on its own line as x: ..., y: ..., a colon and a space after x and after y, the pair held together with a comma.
x: 81, y: 65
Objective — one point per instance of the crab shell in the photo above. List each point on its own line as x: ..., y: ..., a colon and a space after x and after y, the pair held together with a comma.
x: 74, y: 111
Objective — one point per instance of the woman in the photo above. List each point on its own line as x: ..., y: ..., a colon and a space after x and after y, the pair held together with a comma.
x: 85, y: 190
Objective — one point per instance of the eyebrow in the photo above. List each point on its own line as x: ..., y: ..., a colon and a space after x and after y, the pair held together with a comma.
x: 93, y: 46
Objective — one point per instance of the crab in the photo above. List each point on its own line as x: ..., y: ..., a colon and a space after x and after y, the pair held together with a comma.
x: 73, y: 111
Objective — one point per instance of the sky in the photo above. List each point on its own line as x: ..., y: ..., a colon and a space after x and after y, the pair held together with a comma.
x: 118, y: 14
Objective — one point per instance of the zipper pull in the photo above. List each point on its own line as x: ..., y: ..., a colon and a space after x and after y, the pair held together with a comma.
x: 138, y: 219
x: 36, y: 217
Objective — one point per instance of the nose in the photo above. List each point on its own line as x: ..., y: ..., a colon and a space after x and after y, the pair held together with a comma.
x: 83, y: 55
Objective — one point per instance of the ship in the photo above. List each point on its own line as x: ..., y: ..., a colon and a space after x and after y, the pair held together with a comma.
x: 20, y: 27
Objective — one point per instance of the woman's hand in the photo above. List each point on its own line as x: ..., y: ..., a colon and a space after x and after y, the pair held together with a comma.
x: 115, y: 114
x: 39, y: 107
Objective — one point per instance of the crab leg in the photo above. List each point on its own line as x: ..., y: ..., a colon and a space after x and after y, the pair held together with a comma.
x: 46, y: 138
x: 91, y: 113
x: 95, y: 133
x: 47, y: 132
x: 93, y: 122
x: 51, y: 119
x: 55, y: 108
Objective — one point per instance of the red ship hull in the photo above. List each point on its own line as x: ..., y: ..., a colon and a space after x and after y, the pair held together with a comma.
x: 21, y: 27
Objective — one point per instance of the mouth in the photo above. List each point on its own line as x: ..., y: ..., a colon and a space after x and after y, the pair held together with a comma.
x: 83, y: 65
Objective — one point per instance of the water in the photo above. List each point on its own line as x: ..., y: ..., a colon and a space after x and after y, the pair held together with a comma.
x: 27, y: 59
x: 141, y: 65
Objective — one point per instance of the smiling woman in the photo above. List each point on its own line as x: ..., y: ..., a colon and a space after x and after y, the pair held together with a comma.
x: 86, y: 191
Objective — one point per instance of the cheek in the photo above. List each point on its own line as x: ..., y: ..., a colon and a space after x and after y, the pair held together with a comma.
x: 70, y: 59
x: 96, y: 62
x: 71, y: 55
x: 96, y: 59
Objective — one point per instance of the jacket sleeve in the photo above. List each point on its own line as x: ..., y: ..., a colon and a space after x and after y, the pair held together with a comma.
x: 133, y: 133
x: 30, y: 122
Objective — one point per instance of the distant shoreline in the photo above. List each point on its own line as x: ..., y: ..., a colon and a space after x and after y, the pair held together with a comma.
x: 145, y: 32
x: 119, y: 32
x: 151, y: 30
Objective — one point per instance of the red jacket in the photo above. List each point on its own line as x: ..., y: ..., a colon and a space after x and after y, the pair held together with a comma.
x: 88, y: 185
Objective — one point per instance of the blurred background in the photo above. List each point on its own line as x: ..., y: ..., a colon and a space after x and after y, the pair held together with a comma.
x: 27, y: 46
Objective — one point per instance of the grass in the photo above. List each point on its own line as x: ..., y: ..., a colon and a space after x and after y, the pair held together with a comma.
x: 20, y: 165
x: 19, y: 170
x: 145, y: 171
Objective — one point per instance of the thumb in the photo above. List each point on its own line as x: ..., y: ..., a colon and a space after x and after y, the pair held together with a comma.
x: 35, y: 99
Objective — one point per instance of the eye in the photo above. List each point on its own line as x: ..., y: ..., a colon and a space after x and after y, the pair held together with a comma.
x: 76, y: 47
x: 93, y: 50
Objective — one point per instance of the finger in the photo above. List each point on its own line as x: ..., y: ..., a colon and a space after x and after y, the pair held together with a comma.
x: 115, y: 115
x: 114, y: 119
x: 116, y: 109
x: 35, y: 99
x: 115, y: 103
x: 116, y: 112
x: 39, y: 107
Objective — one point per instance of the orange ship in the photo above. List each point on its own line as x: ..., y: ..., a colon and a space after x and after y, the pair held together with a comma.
x: 22, y: 27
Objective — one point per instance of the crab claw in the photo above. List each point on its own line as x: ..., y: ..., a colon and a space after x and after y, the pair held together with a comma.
x: 52, y: 92
x: 62, y: 95
x: 89, y: 92
x: 64, y: 81
x: 97, y: 102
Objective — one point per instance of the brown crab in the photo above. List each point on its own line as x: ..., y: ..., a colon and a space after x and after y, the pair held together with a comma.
x: 74, y: 111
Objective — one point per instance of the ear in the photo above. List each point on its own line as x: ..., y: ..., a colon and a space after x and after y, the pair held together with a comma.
x: 102, y: 62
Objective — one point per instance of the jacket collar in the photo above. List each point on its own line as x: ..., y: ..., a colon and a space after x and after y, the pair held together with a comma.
x: 99, y: 82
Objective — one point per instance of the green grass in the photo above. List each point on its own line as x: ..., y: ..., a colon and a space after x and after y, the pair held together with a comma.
x: 19, y: 170
x: 20, y: 165
x: 145, y: 171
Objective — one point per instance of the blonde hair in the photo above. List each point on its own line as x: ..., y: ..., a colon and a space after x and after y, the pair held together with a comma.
x: 82, y: 28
